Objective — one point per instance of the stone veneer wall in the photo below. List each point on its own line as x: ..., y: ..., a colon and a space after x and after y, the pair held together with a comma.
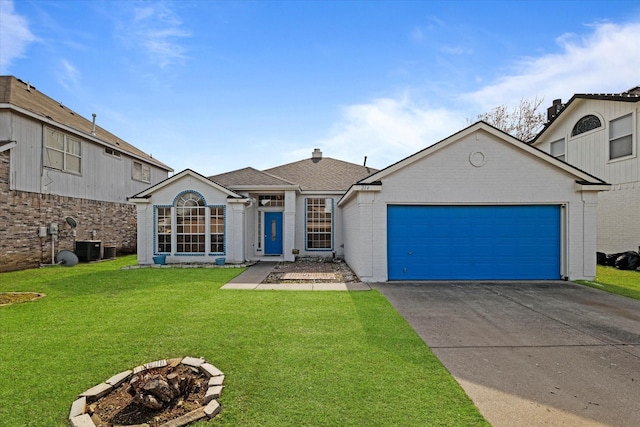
x: 23, y: 213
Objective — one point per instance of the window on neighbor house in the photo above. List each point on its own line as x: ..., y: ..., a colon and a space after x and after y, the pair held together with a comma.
x: 558, y: 149
x: 111, y: 152
x: 319, y: 220
x: 620, y: 137
x: 190, y: 224
x: 141, y: 172
x: 217, y: 229
x: 62, y: 152
x: 163, y: 229
x: 585, y: 124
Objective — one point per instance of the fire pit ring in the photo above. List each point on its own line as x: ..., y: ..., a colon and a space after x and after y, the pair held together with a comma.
x: 80, y: 414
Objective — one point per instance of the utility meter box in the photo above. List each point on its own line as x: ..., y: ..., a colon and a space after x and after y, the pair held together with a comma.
x: 53, y: 228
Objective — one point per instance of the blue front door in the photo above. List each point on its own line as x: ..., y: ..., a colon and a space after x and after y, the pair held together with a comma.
x: 273, y: 233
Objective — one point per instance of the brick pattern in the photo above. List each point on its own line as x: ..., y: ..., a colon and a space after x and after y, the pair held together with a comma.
x: 23, y: 213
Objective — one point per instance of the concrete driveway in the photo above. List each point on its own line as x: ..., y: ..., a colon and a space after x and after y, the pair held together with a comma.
x: 532, y: 353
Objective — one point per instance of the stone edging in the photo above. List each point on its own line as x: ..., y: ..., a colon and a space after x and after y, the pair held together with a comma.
x: 180, y: 265
x: 78, y: 416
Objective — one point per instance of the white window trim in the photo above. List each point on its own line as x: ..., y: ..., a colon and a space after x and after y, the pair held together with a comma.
x: 634, y: 139
x: 306, y: 232
x: 142, y: 167
x: 603, y: 122
x: 564, y: 152
x: 65, y: 152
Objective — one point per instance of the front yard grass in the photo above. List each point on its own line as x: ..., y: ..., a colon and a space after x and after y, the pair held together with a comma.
x: 621, y: 282
x: 290, y: 358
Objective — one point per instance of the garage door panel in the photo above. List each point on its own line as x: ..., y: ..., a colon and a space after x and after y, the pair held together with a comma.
x: 473, y: 242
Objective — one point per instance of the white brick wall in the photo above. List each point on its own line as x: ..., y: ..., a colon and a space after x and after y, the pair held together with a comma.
x: 508, y: 176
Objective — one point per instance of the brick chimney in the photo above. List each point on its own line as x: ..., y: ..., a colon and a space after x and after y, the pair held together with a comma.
x: 554, y: 109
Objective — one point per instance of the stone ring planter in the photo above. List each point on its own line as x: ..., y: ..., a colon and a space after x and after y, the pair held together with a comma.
x: 81, y: 411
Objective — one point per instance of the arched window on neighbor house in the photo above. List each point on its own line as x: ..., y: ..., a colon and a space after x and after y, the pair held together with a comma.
x: 585, y: 124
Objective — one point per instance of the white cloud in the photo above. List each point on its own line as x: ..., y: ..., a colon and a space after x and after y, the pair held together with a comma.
x: 158, y: 31
x: 389, y: 129
x: 15, y: 35
x: 605, y: 60
x: 386, y: 130
x: 69, y: 75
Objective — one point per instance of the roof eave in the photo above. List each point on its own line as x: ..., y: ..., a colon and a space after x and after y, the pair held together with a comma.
x: 357, y: 188
x: 84, y: 135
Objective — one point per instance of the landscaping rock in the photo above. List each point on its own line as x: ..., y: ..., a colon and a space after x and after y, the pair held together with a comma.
x: 95, y: 393
x: 78, y: 407
x: 212, y: 409
x: 191, y: 417
x: 212, y: 393
x: 118, y: 379
x: 209, y: 370
x: 83, y: 420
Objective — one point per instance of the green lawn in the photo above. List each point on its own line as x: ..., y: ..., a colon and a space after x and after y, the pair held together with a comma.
x: 621, y: 282
x: 290, y: 358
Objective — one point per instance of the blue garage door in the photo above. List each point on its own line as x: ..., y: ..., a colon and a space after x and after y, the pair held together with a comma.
x: 473, y: 242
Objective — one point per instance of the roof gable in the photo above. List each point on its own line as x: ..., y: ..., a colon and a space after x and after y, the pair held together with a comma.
x: 631, y: 95
x: 484, y: 127
x: 441, y: 162
x: 146, y: 194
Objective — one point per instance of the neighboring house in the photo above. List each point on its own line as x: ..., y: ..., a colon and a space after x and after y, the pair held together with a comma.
x: 598, y: 133
x: 477, y: 205
x: 247, y: 214
x: 54, y: 165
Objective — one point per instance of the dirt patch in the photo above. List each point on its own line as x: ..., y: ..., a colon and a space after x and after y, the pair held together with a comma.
x: 8, y: 298
x: 312, y: 270
x: 118, y: 407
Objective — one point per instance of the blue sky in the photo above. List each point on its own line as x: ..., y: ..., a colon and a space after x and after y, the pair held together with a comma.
x: 219, y: 85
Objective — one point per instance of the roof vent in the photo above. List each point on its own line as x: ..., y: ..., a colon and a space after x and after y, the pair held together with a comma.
x: 93, y: 125
x: 317, y: 154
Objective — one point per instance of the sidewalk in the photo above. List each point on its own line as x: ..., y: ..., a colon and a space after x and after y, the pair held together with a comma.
x: 253, y: 276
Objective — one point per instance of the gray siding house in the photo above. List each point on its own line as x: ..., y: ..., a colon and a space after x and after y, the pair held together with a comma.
x: 55, y: 164
x: 598, y: 133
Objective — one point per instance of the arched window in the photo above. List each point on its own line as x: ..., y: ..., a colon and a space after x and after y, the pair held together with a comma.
x: 190, y: 223
x: 585, y: 124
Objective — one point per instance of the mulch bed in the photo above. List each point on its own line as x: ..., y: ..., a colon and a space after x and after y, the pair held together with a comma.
x: 341, y: 271
x: 117, y: 408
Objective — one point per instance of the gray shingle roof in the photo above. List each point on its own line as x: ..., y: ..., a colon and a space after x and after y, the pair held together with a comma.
x: 313, y: 174
x: 322, y: 173
x: 248, y: 176
x: 20, y: 94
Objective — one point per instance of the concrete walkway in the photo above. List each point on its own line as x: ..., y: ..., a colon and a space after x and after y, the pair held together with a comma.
x: 253, y: 276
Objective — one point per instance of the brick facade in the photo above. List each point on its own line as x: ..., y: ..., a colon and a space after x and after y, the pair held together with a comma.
x: 23, y: 213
